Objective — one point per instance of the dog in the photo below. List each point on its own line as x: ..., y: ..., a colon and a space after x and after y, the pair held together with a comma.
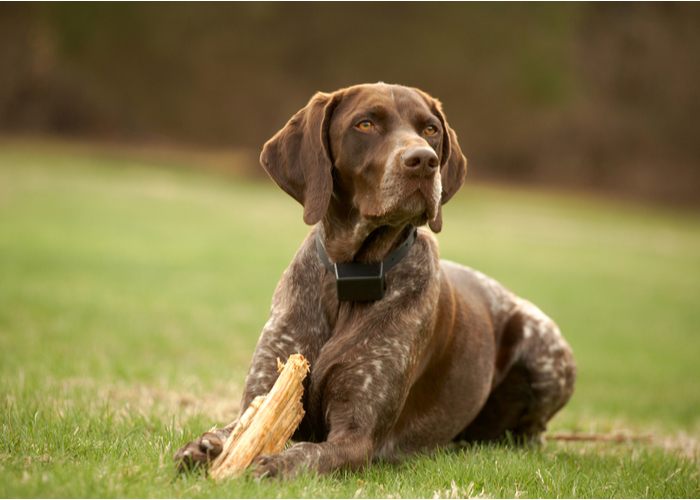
x: 409, y: 355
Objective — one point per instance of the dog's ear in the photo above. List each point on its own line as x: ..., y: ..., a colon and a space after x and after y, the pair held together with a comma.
x: 453, y: 164
x: 298, y: 157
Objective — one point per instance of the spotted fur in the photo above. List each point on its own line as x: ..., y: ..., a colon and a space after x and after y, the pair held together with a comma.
x: 447, y: 354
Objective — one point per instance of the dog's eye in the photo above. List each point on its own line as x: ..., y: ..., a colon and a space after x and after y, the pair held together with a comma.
x: 431, y: 130
x: 365, y: 125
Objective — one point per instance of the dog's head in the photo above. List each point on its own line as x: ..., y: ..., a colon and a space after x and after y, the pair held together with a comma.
x: 385, y: 151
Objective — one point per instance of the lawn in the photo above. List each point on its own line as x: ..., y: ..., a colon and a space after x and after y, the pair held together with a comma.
x: 132, y: 294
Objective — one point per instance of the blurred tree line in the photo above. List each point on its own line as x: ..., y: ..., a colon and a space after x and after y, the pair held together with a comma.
x: 596, y: 95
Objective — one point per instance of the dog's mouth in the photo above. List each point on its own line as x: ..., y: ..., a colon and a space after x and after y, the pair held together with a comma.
x: 413, y: 198
x: 421, y: 200
x: 431, y: 191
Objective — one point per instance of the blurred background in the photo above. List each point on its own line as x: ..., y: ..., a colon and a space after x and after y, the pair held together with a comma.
x: 595, y: 96
x: 141, y: 241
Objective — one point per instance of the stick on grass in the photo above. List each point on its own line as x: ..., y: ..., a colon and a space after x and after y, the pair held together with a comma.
x: 267, y: 424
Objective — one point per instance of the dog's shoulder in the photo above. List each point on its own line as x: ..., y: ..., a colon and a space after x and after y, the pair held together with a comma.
x: 475, y: 289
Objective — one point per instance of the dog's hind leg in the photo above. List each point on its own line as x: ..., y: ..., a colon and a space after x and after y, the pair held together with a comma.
x: 535, y: 379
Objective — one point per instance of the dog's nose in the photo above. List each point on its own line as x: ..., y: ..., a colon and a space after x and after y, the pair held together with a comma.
x: 421, y: 160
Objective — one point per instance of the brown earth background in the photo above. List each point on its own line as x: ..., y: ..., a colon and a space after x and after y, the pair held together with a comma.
x: 595, y: 96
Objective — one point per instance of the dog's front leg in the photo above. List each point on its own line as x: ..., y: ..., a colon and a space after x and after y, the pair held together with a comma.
x: 262, y: 375
x: 361, y: 400
x: 296, y: 325
x: 263, y: 372
x: 352, y: 451
x: 359, y: 385
x: 275, y: 343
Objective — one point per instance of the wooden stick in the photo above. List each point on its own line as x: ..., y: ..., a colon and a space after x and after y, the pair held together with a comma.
x: 615, y: 438
x: 267, y: 424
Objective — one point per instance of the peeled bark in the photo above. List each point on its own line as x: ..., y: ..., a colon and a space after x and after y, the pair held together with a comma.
x: 267, y: 424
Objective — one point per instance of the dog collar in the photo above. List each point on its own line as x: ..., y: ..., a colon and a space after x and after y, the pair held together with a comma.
x: 357, y: 282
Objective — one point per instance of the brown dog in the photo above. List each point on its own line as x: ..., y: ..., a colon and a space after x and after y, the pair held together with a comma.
x: 447, y: 353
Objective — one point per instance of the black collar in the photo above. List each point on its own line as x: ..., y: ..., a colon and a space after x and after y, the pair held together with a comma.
x: 359, y: 282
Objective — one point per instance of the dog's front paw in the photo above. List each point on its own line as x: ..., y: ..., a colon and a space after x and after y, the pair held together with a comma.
x: 199, y: 452
x: 288, y: 463
x: 267, y: 466
x: 279, y: 465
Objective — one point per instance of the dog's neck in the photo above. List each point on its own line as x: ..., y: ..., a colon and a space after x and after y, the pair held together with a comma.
x: 349, y: 237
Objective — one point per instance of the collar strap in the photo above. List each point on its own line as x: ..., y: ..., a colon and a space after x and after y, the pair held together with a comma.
x: 357, y: 282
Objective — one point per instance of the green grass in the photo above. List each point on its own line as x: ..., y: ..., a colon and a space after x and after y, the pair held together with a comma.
x: 132, y: 295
